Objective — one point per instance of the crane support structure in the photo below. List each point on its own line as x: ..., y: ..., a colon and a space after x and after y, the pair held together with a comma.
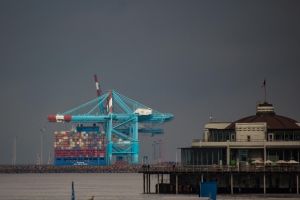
x: 123, y: 121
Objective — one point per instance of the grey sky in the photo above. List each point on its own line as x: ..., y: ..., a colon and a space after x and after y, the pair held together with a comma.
x: 188, y: 58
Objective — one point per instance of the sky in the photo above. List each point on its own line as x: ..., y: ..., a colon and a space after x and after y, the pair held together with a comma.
x: 189, y: 58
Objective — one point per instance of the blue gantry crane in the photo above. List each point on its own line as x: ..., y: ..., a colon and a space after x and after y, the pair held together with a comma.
x: 122, y: 122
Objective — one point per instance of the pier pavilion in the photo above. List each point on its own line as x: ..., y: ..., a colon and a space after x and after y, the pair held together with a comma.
x: 258, y: 154
x: 264, y: 138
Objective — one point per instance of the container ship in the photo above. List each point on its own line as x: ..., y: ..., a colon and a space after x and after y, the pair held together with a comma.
x: 85, y: 145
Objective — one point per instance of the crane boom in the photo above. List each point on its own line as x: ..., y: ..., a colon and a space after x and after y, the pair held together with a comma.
x: 125, y: 118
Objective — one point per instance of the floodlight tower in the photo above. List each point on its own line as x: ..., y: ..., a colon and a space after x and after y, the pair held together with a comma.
x: 154, y: 152
x: 15, y: 150
x: 167, y: 151
x: 159, y: 154
x: 42, y: 131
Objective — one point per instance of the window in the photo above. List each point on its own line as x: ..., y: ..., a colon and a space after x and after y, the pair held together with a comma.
x: 248, y: 138
x: 232, y: 137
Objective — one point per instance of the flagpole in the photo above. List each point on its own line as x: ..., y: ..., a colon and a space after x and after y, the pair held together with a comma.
x: 265, y: 90
x: 265, y: 94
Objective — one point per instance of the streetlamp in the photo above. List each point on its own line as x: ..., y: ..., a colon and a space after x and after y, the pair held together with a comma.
x: 42, y: 131
x: 162, y: 152
x: 160, y: 148
x: 158, y: 159
x: 15, y: 150
x: 167, y: 151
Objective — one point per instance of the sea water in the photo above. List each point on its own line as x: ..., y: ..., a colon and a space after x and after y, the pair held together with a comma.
x: 127, y: 186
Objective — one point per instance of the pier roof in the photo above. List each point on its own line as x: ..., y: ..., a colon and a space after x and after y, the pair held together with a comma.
x: 265, y: 113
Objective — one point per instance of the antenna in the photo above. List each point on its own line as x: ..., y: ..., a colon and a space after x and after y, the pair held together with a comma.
x: 42, y: 131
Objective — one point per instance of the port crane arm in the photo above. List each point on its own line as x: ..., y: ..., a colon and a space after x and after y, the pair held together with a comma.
x: 128, y: 114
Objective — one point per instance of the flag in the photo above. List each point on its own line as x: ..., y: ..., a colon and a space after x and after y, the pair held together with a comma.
x: 264, y: 84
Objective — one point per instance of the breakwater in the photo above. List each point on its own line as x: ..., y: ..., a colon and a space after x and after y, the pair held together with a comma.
x: 9, y: 169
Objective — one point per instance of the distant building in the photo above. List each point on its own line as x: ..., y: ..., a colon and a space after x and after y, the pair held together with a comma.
x: 258, y: 138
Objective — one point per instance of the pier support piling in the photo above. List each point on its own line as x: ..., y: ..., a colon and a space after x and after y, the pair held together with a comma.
x: 297, y: 180
x: 147, y: 183
x: 231, y: 183
x: 176, y: 183
x: 157, y: 183
x: 264, y: 183
x: 144, y: 182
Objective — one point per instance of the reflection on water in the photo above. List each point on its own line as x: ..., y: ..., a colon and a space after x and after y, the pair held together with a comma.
x: 100, y: 185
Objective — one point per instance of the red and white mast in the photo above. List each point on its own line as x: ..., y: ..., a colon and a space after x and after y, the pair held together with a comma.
x: 110, y: 104
x: 97, y: 85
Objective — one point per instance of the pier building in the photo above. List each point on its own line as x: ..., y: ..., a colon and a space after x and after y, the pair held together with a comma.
x: 264, y: 138
x: 255, y: 154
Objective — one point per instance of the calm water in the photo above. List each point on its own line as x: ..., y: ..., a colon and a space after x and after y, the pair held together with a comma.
x: 100, y: 185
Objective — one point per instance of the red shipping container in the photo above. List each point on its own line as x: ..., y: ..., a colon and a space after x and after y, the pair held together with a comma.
x: 69, y: 154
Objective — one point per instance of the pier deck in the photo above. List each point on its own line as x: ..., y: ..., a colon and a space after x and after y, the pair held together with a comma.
x: 220, y: 169
x: 231, y: 179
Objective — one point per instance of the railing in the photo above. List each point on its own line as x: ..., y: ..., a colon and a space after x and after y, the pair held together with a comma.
x: 241, y: 140
x: 219, y: 169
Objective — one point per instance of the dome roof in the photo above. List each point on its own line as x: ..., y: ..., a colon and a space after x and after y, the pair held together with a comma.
x: 265, y: 113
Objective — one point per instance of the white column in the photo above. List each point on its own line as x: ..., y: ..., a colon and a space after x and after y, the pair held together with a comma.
x: 228, y: 152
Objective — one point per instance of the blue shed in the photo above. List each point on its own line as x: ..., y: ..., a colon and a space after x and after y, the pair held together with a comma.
x: 209, y: 189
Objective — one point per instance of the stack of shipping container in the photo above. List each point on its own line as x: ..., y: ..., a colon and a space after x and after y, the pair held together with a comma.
x: 84, y: 146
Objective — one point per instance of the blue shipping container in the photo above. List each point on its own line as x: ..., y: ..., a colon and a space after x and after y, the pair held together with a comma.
x: 208, y: 189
